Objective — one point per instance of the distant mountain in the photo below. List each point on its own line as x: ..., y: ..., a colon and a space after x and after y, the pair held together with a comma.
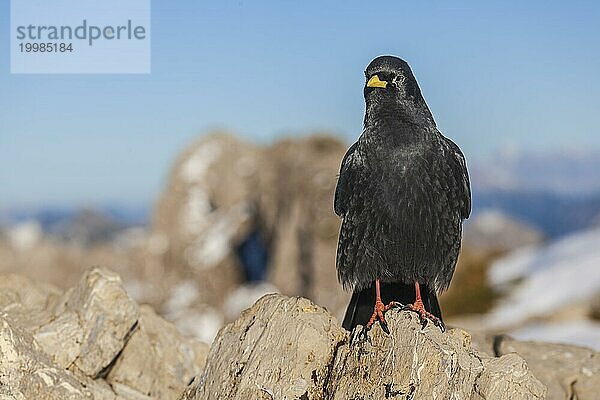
x: 554, y: 214
x: 79, y: 225
x: 557, y: 193
x: 565, y: 173
x: 86, y: 227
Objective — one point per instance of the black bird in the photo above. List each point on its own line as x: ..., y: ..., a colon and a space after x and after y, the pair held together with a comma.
x: 402, y: 193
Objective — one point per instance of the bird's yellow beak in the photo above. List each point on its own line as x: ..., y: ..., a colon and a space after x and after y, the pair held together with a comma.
x: 375, y: 82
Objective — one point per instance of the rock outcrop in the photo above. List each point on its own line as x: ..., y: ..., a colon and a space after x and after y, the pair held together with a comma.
x: 204, y: 211
x: 91, y: 342
x: 305, y: 229
x: 569, y: 372
x: 290, y: 348
x: 222, y: 191
x: 26, y: 372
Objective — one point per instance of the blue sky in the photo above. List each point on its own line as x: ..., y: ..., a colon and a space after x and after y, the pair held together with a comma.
x: 495, y: 75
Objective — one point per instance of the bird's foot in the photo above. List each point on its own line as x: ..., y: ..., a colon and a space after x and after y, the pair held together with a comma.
x: 424, y: 315
x: 378, y: 314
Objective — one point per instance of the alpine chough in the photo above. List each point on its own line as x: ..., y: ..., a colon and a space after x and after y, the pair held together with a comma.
x: 402, y: 193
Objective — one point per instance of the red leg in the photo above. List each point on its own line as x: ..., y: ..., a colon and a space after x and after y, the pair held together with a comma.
x: 379, y: 309
x: 419, y: 308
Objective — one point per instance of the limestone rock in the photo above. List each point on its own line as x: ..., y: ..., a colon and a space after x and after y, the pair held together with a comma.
x: 157, y: 361
x: 409, y: 362
x: 204, y: 209
x: 26, y: 372
x: 305, y: 228
x: 244, y: 297
x: 95, y: 318
x: 222, y: 190
x: 281, y: 348
x: 425, y: 364
x: 90, y: 342
x: 26, y: 301
x: 569, y: 372
x: 289, y: 348
x: 507, y: 377
x: 62, y: 338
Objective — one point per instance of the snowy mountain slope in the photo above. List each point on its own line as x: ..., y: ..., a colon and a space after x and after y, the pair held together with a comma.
x: 564, y: 272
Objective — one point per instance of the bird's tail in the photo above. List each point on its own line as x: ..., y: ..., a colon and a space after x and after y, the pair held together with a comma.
x: 361, y: 305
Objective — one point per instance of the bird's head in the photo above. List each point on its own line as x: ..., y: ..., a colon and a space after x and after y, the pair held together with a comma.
x: 391, y: 83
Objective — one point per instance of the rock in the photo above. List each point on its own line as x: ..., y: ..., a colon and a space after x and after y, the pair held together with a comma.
x: 305, y: 229
x: 26, y: 372
x: 289, y: 348
x: 569, y: 372
x: 62, y: 338
x: 426, y: 363
x: 157, y: 361
x: 204, y: 210
x: 222, y: 191
x: 507, y: 377
x: 96, y: 317
x: 281, y: 348
x: 26, y: 301
x: 90, y: 342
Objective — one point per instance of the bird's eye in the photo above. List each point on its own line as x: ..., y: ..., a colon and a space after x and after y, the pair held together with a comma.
x: 397, y: 79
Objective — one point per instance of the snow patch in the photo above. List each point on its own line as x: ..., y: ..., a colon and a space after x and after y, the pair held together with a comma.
x: 564, y: 272
x: 196, y: 166
x: 183, y: 295
x: 214, y: 242
x: 512, y: 267
x: 24, y: 236
x: 577, y: 332
x: 196, y: 210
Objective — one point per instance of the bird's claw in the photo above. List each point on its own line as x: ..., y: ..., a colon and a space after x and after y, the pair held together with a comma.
x: 363, y: 335
x: 384, y: 326
x: 378, y: 314
x: 425, y: 316
x: 438, y: 322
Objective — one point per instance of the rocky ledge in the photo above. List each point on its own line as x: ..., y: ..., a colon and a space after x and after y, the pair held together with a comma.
x: 94, y: 342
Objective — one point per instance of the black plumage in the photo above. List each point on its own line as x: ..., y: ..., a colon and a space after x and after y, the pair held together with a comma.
x: 402, y: 193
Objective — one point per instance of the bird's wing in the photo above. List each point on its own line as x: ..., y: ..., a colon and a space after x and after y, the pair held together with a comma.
x: 342, y: 190
x: 460, y: 175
